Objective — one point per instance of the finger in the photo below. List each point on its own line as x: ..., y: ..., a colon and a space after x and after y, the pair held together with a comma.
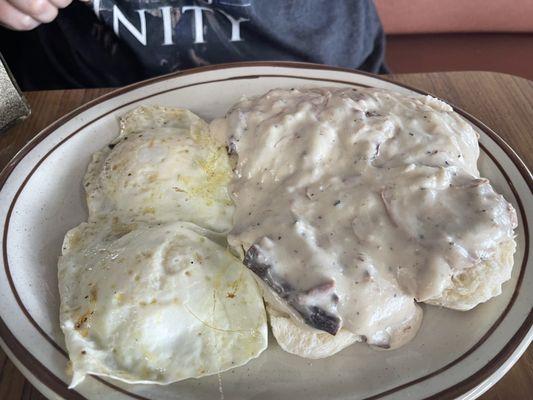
x: 40, y: 10
x: 60, y: 3
x: 15, y: 19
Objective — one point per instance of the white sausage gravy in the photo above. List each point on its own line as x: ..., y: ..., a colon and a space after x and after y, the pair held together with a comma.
x: 354, y: 204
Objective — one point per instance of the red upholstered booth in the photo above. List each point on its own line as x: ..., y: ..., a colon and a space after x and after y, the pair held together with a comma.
x: 447, y: 35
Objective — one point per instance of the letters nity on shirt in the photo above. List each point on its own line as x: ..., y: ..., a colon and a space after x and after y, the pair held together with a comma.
x: 131, y: 16
x: 169, y: 35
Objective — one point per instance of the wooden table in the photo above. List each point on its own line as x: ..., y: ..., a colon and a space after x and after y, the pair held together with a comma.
x: 503, y: 102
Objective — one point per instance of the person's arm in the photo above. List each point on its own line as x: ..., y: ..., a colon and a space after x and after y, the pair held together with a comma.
x: 23, y: 15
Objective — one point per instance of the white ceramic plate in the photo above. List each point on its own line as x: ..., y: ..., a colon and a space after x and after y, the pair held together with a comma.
x: 455, y: 354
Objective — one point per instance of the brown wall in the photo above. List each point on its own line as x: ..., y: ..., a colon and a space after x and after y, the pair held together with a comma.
x: 510, y: 53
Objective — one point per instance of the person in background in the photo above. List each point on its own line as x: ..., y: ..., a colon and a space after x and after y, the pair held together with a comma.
x: 58, y: 44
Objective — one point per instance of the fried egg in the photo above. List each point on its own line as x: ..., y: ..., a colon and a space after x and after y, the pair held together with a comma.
x: 163, y: 166
x: 156, y: 304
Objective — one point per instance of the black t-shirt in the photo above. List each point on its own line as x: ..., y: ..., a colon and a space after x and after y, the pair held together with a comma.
x: 115, y: 42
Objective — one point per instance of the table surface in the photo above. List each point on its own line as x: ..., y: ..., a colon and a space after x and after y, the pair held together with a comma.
x: 503, y: 102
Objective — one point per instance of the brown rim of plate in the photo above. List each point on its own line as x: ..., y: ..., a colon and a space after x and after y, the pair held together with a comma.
x: 57, y: 385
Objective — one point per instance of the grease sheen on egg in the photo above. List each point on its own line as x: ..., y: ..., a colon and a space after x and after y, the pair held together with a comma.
x: 164, y: 166
x: 156, y: 305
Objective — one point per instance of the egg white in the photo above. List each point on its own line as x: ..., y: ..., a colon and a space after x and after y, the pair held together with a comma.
x: 164, y: 166
x: 156, y: 304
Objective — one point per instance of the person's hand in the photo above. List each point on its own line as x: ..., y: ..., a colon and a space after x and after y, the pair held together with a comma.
x: 23, y: 15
